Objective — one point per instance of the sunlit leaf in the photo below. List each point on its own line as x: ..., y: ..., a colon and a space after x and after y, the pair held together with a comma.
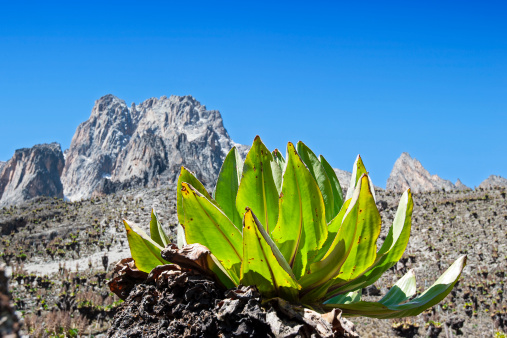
x: 301, y: 229
x: 228, y: 184
x: 258, y: 189
x: 263, y: 264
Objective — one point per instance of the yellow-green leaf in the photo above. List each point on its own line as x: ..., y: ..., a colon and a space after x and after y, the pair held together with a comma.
x: 228, y: 184
x: 392, y: 249
x: 144, y: 251
x: 301, y: 229
x: 156, y: 231
x: 319, y: 174
x: 205, y: 224
x: 188, y: 177
x: 335, y: 184
x: 263, y: 264
x: 257, y: 189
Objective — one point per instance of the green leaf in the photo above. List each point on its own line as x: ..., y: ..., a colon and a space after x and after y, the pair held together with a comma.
x: 401, y: 291
x: 279, y: 159
x: 348, y: 298
x: 277, y: 167
x: 332, y: 230
x: 188, y: 177
x: 205, y: 224
x: 258, y: 189
x: 392, y: 249
x: 218, y: 269
x: 386, y: 308
x: 357, y: 171
x: 263, y: 264
x: 144, y: 251
x: 364, y: 249
x: 335, y: 184
x: 301, y: 229
x: 322, y: 272
x: 156, y: 231
x: 319, y: 174
x: 228, y: 184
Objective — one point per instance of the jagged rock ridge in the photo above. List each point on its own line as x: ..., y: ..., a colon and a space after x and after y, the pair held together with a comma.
x: 493, y: 181
x: 144, y: 145
x: 32, y: 172
x: 408, y: 172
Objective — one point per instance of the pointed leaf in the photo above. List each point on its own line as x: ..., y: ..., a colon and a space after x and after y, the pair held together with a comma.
x: 392, y: 249
x: 277, y: 156
x: 386, y: 309
x: 401, y: 291
x: 263, y: 264
x: 322, y: 272
x: 319, y: 174
x: 364, y: 249
x: 301, y: 229
x: 156, y: 231
x: 357, y: 171
x: 277, y: 167
x: 205, y: 224
x: 188, y: 177
x: 144, y: 251
x: 335, y: 184
x: 258, y: 189
x: 228, y: 184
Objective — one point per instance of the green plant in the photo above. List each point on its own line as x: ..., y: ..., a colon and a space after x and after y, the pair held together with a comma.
x: 283, y: 225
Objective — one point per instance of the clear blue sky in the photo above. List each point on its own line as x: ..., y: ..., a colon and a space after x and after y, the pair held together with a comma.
x: 375, y: 78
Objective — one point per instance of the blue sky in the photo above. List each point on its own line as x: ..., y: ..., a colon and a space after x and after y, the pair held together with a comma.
x: 375, y: 78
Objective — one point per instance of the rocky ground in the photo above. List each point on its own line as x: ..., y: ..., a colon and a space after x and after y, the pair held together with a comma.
x: 60, y: 254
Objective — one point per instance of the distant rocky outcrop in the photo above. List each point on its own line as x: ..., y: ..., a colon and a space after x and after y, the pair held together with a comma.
x: 460, y: 186
x: 32, y: 172
x: 144, y: 145
x: 344, y: 178
x: 2, y: 165
x: 408, y: 172
x: 493, y: 181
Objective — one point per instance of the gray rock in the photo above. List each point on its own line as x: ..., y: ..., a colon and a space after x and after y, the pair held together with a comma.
x: 32, y: 172
x: 493, y: 181
x: 460, y: 186
x: 343, y: 177
x: 2, y: 165
x: 408, y: 172
x: 144, y: 145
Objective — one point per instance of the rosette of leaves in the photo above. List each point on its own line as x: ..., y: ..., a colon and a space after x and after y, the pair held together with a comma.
x: 283, y: 225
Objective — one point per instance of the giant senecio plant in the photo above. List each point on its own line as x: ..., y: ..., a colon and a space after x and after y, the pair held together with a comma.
x: 283, y: 225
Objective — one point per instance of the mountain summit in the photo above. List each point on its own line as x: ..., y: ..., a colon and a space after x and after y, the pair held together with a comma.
x: 144, y: 145
x: 408, y: 172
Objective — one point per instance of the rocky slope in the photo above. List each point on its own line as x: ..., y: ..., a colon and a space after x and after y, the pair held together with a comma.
x: 408, y: 172
x: 32, y: 172
x: 65, y: 242
x: 144, y: 145
x: 493, y: 181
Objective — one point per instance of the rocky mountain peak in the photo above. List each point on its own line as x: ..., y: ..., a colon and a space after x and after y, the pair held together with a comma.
x: 32, y: 172
x: 144, y: 145
x: 460, y: 186
x: 408, y: 172
x: 493, y: 181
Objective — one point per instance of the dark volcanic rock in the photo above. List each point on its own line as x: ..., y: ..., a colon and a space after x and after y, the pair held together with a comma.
x: 178, y: 302
x: 32, y: 172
